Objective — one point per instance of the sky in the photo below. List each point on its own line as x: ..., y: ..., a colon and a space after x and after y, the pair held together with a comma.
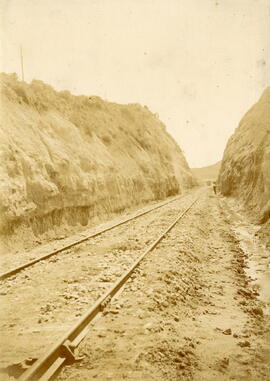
x: 199, y: 64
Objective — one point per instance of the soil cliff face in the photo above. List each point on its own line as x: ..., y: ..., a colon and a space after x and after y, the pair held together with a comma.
x: 245, y: 169
x: 66, y: 159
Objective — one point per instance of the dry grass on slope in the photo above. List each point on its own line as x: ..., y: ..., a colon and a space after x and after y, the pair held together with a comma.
x: 68, y: 159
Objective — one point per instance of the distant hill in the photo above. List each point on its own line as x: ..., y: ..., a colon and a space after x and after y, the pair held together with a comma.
x: 207, y: 173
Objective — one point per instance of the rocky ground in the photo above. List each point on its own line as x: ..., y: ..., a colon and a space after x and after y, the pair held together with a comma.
x: 195, y: 309
x: 57, y: 291
x: 37, y: 248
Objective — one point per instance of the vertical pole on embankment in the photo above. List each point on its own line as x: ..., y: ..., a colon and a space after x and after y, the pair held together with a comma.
x: 22, y: 63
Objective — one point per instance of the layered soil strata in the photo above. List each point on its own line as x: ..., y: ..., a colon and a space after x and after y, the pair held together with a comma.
x: 67, y: 160
x: 245, y: 168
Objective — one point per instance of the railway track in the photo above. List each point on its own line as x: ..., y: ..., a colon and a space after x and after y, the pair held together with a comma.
x: 17, y: 269
x: 62, y: 352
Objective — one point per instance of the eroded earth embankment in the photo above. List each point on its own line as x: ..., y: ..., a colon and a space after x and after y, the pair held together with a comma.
x: 245, y: 169
x: 67, y: 160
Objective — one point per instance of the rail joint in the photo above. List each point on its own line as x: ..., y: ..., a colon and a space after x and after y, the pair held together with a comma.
x: 67, y: 352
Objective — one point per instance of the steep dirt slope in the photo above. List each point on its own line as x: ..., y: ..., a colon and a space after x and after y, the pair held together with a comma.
x: 207, y: 173
x: 245, y: 168
x: 68, y: 159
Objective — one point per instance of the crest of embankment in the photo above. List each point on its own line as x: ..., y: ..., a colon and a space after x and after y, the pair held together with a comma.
x: 66, y: 159
x: 245, y: 169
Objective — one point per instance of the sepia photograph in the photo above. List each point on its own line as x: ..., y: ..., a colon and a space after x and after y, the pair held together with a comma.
x: 135, y: 190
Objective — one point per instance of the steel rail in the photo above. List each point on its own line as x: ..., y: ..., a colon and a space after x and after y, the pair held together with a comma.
x: 16, y: 270
x: 52, y: 361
